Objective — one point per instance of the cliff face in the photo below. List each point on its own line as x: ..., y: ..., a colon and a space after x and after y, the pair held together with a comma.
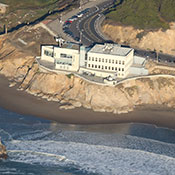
x: 142, y: 39
x: 3, y: 152
x: 75, y: 92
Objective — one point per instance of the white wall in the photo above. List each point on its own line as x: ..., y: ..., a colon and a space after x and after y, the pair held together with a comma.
x: 44, y: 56
x: 115, y: 67
x: 74, y: 60
x: 139, y: 60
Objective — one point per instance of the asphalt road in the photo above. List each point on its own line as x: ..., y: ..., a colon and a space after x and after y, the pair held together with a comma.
x: 85, y: 29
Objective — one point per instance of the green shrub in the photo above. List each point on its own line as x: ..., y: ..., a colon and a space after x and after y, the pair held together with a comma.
x: 144, y: 14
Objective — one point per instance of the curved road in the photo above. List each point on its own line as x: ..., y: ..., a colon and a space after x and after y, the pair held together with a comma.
x: 85, y: 26
x: 85, y: 29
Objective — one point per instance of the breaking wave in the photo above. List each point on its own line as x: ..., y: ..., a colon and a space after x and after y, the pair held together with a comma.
x: 40, y: 147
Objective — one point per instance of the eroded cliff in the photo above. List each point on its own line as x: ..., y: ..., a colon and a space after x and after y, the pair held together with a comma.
x: 75, y: 92
x: 136, y: 38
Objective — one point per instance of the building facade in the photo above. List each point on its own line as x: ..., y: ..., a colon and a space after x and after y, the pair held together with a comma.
x: 103, y: 60
x: 66, y: 59
x: 110, y: 60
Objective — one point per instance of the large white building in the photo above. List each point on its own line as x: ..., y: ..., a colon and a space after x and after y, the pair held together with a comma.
x: 103, y: 60
x: 110, y: 59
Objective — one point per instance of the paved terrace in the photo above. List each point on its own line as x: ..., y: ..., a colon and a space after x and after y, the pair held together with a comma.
x: 47, y: 66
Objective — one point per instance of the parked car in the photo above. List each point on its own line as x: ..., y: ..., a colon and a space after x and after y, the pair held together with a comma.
x: 77, y: 39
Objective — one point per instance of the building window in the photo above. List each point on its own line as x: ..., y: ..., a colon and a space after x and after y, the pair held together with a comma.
x: 102, y: 67
x: 89, y: 58
x: 63, y: 55
x: 116, y: 62
x: 109, y: 68
x: 99, y: 59
x: 112, y: 61
x: 103, y: 60
x: 48, y: 53
x: 95, y: 59
x: 99, y: 66
x: 106, y: 60
x: 105, y: 67
x: 120, y: 62
x: 122, y: 69
x: 112, y: 68
x: 92, y: 66
x: 109, y: 60
x: 116, y: 68
x: 95, y: 66
x: 123, y: 62
x: 89, y: 65
x: 92, y: 58
x: 119, y: 69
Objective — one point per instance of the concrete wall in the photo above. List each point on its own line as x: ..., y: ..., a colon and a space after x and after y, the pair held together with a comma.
x: 74, y: 60
x: 139, y: 60
x: 47, y: 57
x: 129, y: 61
x: 138, y: 71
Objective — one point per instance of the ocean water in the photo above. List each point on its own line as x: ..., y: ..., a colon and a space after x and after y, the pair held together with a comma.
x: 40, y: 147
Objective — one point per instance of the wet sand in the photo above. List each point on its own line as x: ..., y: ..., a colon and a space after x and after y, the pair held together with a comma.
x: 24, y: 103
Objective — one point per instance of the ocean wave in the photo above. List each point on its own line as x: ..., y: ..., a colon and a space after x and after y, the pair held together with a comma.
x: 95, y: 158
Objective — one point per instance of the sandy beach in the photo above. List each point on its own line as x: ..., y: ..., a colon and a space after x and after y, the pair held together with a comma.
x: 24, y: 103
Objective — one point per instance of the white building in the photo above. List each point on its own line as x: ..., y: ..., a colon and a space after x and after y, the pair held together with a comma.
x: 64, y: 58
x: 110, y: 59
x: 102, y: 60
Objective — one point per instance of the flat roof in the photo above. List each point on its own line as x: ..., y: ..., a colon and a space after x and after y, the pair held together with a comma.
x: 70, y: 45
x: 111, y: 49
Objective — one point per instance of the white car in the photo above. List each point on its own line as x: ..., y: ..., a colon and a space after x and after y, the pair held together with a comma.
x: 80, y: 15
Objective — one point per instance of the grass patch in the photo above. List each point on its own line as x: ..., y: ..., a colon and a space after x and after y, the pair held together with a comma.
x: 23, y: 11
x: 144, y: 14
x: 69, y: 75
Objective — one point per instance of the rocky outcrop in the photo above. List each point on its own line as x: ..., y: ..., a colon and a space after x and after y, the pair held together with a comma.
x: 147, y: 40
x: 73, y: 91
x: 3, y: 152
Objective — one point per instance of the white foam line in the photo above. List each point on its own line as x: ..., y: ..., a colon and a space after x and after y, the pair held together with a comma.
x: 60, y: 158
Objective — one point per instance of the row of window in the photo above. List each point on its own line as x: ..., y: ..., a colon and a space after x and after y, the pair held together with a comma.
x: 63, y: 63
x: 63, y: 55
x: 105, y: 67
x: 107, y: 60
x: 48, y: 53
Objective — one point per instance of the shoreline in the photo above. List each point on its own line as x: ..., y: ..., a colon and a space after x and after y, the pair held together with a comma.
x: 26, y: 104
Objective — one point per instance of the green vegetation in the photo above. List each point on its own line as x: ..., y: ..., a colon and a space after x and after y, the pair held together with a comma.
x: 69, y: 75
x: 17, y: 4
x: 24, y: 11
x: 144, y: 14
